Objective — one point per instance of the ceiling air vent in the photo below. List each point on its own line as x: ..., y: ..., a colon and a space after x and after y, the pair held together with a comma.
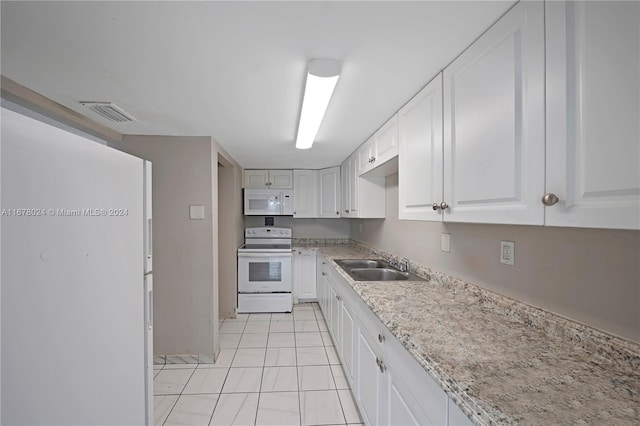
x: 109, y: 111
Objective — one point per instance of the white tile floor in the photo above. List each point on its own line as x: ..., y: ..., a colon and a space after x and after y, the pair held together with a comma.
x: 273, y: 369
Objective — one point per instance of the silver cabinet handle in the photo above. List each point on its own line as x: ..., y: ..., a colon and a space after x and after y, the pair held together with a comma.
x: 435, y: 206
x: 339, y: 298
x: 380, y: 338
x: 444, y: 205
x: 380, y: 365
x: 324, y: 273
x: 550, y: 199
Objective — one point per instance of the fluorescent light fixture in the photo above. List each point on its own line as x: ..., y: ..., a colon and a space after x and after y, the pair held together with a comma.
x: 321, y: 80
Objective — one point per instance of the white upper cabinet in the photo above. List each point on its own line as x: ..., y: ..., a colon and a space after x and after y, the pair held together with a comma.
x: 386, y: 142
x: 329, y: 188
x: 349, y: 176
x: 376, y: 154
x: 268, y: 179
x: 494, y: 146
x: 362, y: 197
x: 366, y: 153
x: 420, y: 154
x: 305, y: 193
x: 593, y: 110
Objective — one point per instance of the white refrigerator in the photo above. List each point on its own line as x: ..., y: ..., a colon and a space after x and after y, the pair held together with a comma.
x: 76, y: 282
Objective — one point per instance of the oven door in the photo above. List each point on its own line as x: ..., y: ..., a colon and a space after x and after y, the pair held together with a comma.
x: 264, y: 272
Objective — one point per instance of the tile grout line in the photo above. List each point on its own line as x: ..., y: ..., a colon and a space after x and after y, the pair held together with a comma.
x: 179, y: 396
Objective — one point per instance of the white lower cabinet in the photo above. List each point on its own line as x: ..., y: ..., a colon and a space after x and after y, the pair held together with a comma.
x: 369, y: 382
x: 321, y: 287
x: 347, y: 343
x: 389, y: 386
x: 304, y: 275
x: 335, y: 307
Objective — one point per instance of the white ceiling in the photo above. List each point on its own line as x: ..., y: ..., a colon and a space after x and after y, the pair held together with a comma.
x: 235, y: 70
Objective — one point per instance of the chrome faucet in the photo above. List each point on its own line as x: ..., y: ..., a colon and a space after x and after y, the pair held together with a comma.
x: 404, y: 265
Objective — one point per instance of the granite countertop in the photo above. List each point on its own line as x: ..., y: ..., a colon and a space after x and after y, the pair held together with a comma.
x: 501, y: 361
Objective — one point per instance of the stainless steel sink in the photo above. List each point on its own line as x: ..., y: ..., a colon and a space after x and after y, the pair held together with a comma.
x: 348, y: 264
x: 374, y: 270
x: 378, y: 274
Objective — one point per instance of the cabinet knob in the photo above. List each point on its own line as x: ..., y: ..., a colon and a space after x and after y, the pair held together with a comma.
x: 346, y: 211
x: 337, y: 213
x: 435, y: 206
x: 324, y: 273
x: 380, y: 338
x: 550, y: 199
x: 444, y: 205
x: 295, y: 213
x: 339, y: 298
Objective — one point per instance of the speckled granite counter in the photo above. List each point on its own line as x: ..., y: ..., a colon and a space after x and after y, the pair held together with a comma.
x: 501, y: 361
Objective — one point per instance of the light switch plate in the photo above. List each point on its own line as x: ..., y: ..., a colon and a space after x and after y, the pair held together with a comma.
x: 196, y: 212
x: 445, y: 243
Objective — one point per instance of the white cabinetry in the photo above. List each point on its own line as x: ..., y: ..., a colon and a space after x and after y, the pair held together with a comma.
x: 347, y: 347
x: 375, y: 155
x: 362, y: 197
x: 305, y: 193
x: 304, y: 275
x: 322, y: 287
x: 389, y: 386
x: 593, y: 105
x: 268, y: 179
x: 420, y: 154
x: 329, y: 188
x: 365, y: 153
x: 494, y: 123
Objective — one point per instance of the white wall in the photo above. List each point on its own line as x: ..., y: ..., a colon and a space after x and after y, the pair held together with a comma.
x: 183, y: 249
x: 589, y: 275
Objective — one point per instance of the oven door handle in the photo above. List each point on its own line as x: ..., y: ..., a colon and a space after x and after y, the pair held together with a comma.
x: 265, y: 254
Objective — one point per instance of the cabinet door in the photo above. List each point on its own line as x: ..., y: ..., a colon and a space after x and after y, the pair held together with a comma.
x: 305, y: 193
x: 399, y: 412
x: 335, y: 302
x: 386, y: 142
x: 348, y: 340
x: 494, y: 123
x: 365, y: 157
x: 280, y: 179
x: 345, y: 175
x: 329, y: 192
x: 321, y: 289
x: 420, y: 154
x: 256, y: 179
x: 593, y: 105
x: 306, y: 274
x: 369, y: 383
x: 353, y: 180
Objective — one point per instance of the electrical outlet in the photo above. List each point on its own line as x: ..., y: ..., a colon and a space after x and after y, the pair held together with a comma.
x: 507, y: 252
x: 445, y: 243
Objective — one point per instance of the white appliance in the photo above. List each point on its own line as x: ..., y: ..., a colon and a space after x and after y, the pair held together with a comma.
x: 268, y: 202
x: 76, y: 279
x: 264, y: 271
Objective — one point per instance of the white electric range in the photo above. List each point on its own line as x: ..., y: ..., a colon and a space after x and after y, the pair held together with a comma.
x: 264, y: 271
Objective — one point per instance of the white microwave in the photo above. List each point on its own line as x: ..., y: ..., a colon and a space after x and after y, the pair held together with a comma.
x: 268, y: 202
